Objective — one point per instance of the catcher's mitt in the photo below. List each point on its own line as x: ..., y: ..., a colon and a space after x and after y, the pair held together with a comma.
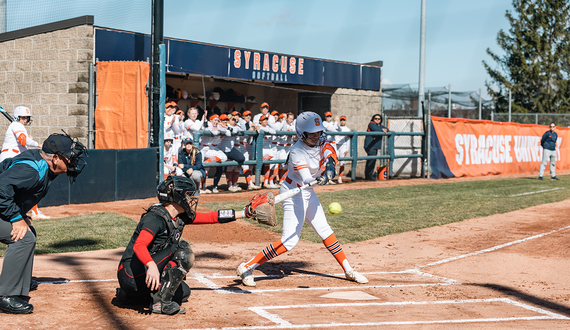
x: 261, y: 208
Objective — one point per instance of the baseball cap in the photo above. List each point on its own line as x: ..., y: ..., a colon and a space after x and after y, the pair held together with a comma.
x: 235, y: 113
x: 264, y: 105
x: 188, y: 140
x: 212, y: 117
x: 171, y: 104
x: 168, y: 136
x: 264, y: 117
x: 274, y: 112
x: 223, y: 116
x: 60, y: 144
x: 342, y: 117
x: 247, y: 113
x: 282, y: 115
x: 179, y: 112
x: 328, y: 113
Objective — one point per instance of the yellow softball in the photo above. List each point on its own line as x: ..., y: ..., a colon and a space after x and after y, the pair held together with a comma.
x: 335, y: 208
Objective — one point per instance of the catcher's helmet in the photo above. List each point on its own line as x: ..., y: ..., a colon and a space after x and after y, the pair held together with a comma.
x: 179, y: 190
x: 21, y: 111
x: 309, y: 122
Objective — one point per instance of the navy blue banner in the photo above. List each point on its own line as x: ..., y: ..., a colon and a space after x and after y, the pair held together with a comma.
x: 218, y: 61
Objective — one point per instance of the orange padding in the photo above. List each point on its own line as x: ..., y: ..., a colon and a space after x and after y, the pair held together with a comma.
x: 121, y: 115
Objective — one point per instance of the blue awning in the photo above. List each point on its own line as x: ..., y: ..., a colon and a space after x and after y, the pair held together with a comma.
x: 189, y: 57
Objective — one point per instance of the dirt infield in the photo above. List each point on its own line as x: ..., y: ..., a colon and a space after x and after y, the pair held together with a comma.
x: 505, y: 271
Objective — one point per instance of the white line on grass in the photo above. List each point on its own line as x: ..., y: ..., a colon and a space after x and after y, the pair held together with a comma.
x: 494, y: 248
x: 522, y: 194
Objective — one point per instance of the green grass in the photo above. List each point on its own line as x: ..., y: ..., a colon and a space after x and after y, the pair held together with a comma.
x: 367, y: 213
x: 82, y: 233
x: 376, y: 212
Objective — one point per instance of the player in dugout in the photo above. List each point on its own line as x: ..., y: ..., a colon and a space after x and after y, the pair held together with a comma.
x: 24, y: 181
x: 156, y: 261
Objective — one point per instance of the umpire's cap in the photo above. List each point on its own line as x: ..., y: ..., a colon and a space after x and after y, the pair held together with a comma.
x: 62, y: 144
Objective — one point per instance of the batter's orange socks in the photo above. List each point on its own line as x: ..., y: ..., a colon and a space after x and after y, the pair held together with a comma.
x: 271, y: 251
x: 335, y: 249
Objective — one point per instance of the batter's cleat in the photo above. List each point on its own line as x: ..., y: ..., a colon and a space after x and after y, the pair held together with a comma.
x: 554, y: 178
x: 205, y: 191
x: 39, y: 215
x: 356, y: 277
x: 246, y: 275
x: 253, y: 187
x: 215, y: 190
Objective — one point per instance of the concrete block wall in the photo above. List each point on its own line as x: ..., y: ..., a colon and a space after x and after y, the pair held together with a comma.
x: 358, y: 106
x: 49, y: 73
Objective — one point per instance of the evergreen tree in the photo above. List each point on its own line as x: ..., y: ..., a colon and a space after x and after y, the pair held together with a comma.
x: 536, y: 61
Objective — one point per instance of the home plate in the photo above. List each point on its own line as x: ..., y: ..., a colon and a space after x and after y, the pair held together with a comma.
x: 349, y: 295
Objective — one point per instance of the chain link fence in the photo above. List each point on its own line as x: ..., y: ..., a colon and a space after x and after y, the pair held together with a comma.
x: 560, y: 119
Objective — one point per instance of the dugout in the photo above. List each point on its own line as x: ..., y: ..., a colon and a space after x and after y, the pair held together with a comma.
x: 53, y: 68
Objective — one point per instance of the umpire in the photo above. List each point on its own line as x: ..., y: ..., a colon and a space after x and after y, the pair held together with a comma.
x: 24, y: 181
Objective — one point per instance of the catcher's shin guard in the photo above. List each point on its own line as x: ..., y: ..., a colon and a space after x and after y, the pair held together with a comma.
x: 171, y: 278
x: 169, y: 281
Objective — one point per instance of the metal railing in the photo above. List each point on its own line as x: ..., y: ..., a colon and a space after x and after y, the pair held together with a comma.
x: 257, y: 150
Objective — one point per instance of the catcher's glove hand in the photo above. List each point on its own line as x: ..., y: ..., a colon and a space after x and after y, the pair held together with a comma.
x: 261, y: 208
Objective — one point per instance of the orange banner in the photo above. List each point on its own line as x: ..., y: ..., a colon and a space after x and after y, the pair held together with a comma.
x: 483, y: 147
x: 121, y: 115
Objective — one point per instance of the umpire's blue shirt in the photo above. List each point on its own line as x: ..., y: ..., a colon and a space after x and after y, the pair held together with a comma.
x: 548, y: 140
x: 24, y: 181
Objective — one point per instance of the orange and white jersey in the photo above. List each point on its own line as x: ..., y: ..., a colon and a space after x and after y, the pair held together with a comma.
x: 16, y: 139
x: 170, y: 158
x: 331, y: 126
x: 172, y: 125
x: 342, y: 139
x: 191, y: 126
x: 308, y: 163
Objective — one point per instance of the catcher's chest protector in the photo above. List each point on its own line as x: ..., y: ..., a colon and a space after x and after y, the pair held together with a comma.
x: 175, y: 228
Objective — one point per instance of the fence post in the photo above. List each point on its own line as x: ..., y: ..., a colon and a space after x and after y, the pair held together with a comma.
x: 509, y: 105
x: 259, y: 156
x: 428, y: 133
x: 354, y: 154
x: 536, y: 118
x: 391, y: 152
x: 449, y: 103
x: 479, y: 103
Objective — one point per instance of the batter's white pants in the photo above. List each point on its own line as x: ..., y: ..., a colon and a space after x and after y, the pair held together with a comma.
x: 305, y: 206
x: 548, y: 155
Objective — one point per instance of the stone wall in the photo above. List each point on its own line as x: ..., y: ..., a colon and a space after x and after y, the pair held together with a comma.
x: 358, y: 106
x: 49, y: 73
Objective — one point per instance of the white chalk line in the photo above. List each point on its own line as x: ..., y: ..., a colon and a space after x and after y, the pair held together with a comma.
x: 522, y: 194
x: 494, y: 248
x: 283, y: 324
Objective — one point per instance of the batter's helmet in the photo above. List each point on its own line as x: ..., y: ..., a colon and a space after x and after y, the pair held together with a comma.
x: 309, y: 122
x: 182, y: 191
x: 21, y: 111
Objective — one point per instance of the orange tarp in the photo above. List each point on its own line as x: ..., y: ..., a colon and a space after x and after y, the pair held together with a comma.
x: 483, y: 147
x: 121, y: 115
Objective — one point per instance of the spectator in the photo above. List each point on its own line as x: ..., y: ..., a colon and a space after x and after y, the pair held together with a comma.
x: 342, y: 145
x: 373, y: 143
x: 210, y: 151
x: 245, y: 148
x: 190, y: 161
x: 170, y: 158
x: 228, y: 145
x: 193, y: 124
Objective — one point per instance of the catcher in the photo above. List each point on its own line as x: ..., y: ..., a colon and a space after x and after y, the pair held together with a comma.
x: 155, y: 261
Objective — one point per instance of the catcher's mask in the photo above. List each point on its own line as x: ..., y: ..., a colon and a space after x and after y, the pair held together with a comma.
x: 182, y: 191
x: 70, y: 148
